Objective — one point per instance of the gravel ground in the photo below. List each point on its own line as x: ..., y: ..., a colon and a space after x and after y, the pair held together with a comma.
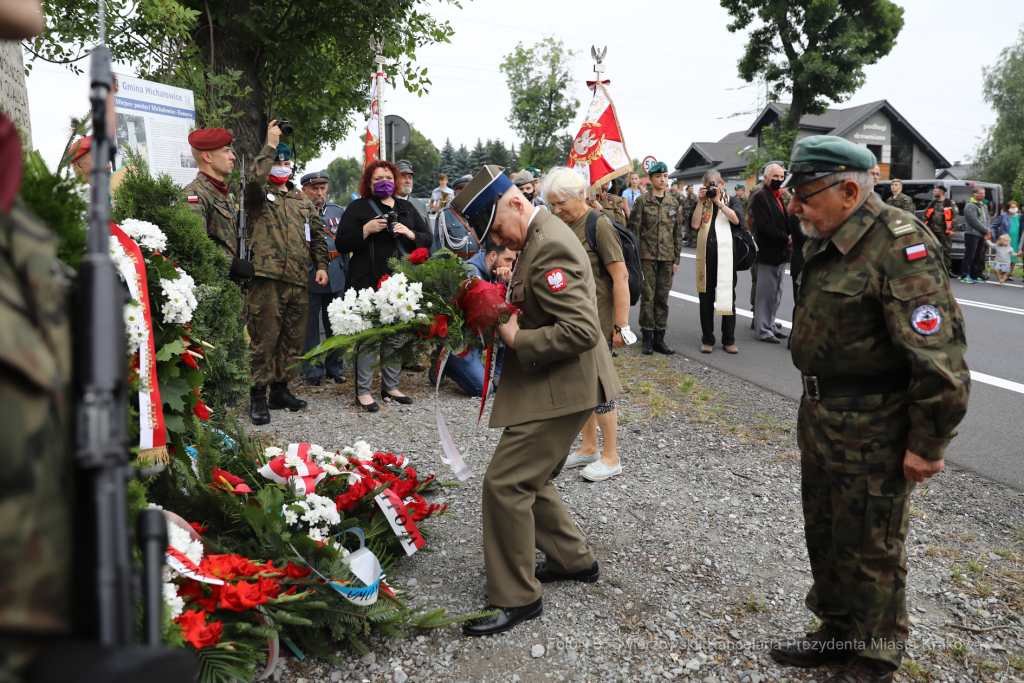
x: 700, y: 541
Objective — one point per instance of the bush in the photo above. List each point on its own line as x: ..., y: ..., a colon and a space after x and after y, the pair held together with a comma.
x: 220, y: 302
x: 58, y: 201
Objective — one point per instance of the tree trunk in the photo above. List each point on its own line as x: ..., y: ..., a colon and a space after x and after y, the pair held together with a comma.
x: 249, y: 129
x: 796, y: 109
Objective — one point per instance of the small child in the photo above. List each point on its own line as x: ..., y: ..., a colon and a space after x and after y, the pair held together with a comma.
x: 1005, y: 257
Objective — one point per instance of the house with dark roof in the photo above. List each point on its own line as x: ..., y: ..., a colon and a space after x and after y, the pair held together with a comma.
x: 902, y: 152
x: 957, y: 171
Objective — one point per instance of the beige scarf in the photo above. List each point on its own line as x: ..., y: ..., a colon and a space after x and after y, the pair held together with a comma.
x: 723, y: 233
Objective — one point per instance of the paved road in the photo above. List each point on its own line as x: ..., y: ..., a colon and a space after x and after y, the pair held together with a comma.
x: 991, y: 439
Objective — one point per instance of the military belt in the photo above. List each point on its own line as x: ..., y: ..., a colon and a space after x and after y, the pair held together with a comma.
x: 334, y: 254
x: 843, y: 387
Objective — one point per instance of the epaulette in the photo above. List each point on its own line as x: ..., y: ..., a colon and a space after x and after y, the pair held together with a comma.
x: 900, y: 225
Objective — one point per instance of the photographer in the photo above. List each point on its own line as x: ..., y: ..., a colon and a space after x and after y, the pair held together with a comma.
x: 713, y: 221
x: 376, y: 227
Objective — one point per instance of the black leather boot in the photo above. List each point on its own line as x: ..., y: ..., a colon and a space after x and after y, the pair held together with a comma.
x: 258, y: 412
x: 280, y: 398
x: 659, y: 343
x: 648, y: 340
x: 819, y: 648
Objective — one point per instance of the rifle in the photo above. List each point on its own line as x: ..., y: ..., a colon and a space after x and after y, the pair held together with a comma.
x: 104, y: 648
x: 244, y: 250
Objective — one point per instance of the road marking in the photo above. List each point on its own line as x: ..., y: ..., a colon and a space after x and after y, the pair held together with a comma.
x: 991, y: 307
x: 975, y: 376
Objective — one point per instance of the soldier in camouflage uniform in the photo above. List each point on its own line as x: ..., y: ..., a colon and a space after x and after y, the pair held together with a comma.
x: 687, y: 202
x: 898, y: 198
x: 880, y: 342
x: 942, y: 217
x: 35, y: 424
x: 656, y: 221
x: 610, y: 204
x: 285, y: 232
x: 208, y: 195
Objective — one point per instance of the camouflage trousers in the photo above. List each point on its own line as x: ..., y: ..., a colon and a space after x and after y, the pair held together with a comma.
x: 691, y: 236
x: 654, y: 294
x: 276, y: 315
x: 856, y: 505
x: 947, y: 247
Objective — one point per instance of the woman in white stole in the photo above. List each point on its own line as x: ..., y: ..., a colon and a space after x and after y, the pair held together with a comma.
x: 716, y: 273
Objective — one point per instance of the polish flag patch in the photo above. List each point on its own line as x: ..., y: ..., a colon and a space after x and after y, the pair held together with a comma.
x: 916, y: 251
x: 193, y: 198
x: 556, y: 280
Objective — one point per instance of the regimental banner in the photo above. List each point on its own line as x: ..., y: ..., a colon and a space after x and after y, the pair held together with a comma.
x: 599, y: 150
x: 373, y: 125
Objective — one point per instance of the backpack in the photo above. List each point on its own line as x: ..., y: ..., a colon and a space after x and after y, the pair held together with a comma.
x: 744, y: 249
x: 630, y: 253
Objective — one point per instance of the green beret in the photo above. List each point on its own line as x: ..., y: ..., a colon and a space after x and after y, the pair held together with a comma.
x: 821, y: 155
x: 740, y: 186
x: 283, y: 153
x: 535, y: 172
x: 658, y: 167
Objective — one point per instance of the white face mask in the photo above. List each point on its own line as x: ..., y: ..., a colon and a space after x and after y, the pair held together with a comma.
x: 1013, y: 211
x: 280, y: 171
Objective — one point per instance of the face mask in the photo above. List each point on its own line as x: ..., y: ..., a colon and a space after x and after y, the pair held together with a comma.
x: 280, y: 174
x: 775, y: 184
x: 528, y: 195
x: 383, y: 188
x: 1013, y: 212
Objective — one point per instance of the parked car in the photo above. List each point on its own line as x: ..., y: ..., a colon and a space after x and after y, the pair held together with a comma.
x: 959, y: 191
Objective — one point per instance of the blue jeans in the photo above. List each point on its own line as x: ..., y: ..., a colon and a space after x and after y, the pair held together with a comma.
x: 468, y: 372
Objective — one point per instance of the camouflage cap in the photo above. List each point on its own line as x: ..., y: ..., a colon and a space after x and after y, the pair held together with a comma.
x: 821, y: 155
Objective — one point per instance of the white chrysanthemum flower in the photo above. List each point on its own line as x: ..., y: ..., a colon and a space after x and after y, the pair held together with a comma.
x: 363, y: 451
x: 315, y: 534
x: 175, y: 603
x: 331, y: 469
x: 292, y: 460
x: 135, y: 326
x: 122, y: 261
x: 290, y: 517
x: 181, y: 540
x: 145, y: 234
x: 273, y: 452
x: 181, y: 299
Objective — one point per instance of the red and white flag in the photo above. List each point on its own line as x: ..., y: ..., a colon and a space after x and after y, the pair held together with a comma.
x: 599, y: 151
x: 373, y: 125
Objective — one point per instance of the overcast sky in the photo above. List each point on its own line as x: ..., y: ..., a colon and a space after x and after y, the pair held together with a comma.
x: 672, y: 67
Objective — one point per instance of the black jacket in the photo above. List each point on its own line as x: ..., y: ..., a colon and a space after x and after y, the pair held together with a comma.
x: 771, y: 228
x: 370, y: 256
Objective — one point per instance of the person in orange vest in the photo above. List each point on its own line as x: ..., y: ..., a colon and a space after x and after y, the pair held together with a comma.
x: 942, y: 217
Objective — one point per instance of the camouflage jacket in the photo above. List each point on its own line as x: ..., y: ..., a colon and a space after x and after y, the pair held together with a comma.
x: 937, y: 220
x: 219, y: 213
x: 284, y: 228
x: 35, y: 421
x: 611, y: 206
x: 658, y: 226
x: 901, y: 201
x: 686, y: 204
x: 874, y: 300
x: 746, y: 207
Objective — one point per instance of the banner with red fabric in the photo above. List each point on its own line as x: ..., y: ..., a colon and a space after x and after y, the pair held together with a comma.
x: 599, y: 149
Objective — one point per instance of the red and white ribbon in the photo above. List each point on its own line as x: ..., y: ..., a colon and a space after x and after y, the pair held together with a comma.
x: 303, y: 476
x: 152, y: 433
x: 400, y: 519
x: 454, y: 459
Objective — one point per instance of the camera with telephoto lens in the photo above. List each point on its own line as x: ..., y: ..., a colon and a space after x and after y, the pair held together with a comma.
x: 286, y: 127
x: 711, y: 192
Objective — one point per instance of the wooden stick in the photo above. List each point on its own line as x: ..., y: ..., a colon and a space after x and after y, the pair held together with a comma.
x: 745, y: 476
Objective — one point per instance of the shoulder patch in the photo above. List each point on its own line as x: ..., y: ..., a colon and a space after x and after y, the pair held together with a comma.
x: 900, y: 227
x: 916, y: 251
x: 193, y: 198
x: 556, y: 281
x: 926, y: 320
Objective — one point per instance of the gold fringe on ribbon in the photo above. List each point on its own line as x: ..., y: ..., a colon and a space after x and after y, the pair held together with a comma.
x: 154, y: 456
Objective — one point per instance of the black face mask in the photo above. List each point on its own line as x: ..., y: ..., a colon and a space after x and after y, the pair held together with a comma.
x: 775, y: 184
x: 528, y: 195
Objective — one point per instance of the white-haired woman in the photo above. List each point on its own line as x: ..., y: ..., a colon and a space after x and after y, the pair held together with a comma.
x: 566, y: 196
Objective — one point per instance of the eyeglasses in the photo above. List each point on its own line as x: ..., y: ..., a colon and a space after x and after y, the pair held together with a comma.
x: 804, y: 197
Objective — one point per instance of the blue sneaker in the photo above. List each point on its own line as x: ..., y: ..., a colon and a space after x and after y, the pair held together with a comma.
x: 968, y: 280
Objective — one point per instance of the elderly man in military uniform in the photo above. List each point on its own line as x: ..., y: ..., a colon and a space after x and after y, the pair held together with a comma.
x: 208, y: 195
x: 286, y: 233
x: 452, y: 231
x: 880, y: 342
x: 557, y: 370
x: 942, y: 216
x: 656, y: 221
x: 314, y: 187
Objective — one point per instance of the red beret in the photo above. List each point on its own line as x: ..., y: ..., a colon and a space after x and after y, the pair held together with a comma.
x: 81, y: 147
x: 210, y: 138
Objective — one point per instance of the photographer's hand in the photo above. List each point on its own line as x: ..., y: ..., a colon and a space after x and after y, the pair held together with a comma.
x: 273, y: 134
x: 400, y: 229
x: 374, y: 225
x: 702, y: 193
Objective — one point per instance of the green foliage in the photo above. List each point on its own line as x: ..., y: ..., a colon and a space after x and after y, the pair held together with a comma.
x: 777, y: 146
x: 59, y: 202
x: 344, y: 176
x: 1001, y: 154
x: 248, y: 61
x: 447, y: 163
x: 540, y: 82
x: 463, y: 163
x: 226, y: 367
x: 424, y: 158
x: 816, y: 50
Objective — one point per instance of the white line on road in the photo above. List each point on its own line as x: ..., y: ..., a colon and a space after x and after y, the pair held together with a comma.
x: 975, y: 376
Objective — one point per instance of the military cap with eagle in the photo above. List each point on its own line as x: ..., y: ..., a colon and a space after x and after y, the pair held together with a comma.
x: 478, y: 201
x: 315, y: 178
x: 821, y: 155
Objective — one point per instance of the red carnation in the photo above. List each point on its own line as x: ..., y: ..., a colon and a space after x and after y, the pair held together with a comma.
x: 241, y: 596
x: 383, y: 278
x: 418, y: 256
x: 439, y: 327
x: 198, y: 528
x: 195, y: 630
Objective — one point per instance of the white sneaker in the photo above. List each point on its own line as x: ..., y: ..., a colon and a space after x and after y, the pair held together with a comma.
x: 598, y: 471
x: 577, y: 460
